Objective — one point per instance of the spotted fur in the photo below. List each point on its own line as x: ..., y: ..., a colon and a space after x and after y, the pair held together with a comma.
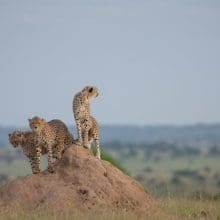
x: 53, y: 135
x: 81, y: 111
x: 25, y: 139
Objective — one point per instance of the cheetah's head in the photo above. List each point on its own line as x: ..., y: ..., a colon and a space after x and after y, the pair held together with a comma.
x: 16, y: 138
x: 36, y: 124
x: 91, y: 91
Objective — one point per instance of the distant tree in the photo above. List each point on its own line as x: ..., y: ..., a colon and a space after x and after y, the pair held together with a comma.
x: 218, y: 183
x: 175, y: 180
x: 191, y: 151
x: 207, y: 169
x: 148, y: 169
x: 140, y: 178
x: 214, y: 151
x: 157, y: 159
x: 186, y: 173
x: 131, y: 152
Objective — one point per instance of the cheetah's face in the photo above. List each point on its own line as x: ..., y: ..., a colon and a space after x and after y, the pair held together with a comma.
x: 91, y: 91
x: 16, y: 138
x: 36, y: 124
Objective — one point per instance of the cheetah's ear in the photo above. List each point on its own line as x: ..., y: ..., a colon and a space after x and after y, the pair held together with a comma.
x: 9, y: 135
x: 91, y: 89
x: 29, y: 119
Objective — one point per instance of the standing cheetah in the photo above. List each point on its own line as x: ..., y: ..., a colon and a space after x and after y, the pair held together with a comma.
x: 25, y: 139
x: 81, y: 111
x: 53, y: 135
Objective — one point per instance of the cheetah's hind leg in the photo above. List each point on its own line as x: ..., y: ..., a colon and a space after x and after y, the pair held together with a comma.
x: 98, y: 153
x: 58, y: 152
x: 86, y: 142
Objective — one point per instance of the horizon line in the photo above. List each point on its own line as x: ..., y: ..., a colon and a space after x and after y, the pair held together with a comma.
x: 136, y: 125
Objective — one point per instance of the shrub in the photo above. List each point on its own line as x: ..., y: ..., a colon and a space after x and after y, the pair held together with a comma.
x: 109, y: 158
x: 186, y: 172
x: 203, y: 195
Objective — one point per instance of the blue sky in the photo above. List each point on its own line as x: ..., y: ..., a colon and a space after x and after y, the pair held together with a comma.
x: 154, y: 61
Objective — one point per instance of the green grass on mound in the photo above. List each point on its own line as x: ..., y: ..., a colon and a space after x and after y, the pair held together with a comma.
x: 107, y: 157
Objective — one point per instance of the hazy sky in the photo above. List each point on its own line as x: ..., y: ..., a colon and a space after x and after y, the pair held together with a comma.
x: 154, y: 61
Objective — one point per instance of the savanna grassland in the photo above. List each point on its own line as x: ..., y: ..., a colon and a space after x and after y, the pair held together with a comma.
x: 167, y: 170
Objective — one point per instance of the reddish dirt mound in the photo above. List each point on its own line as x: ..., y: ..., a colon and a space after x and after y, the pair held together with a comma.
x: 81, y: 182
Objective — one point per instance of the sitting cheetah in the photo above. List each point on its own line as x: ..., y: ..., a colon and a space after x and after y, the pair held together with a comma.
x: 81, y: 111
x: 25, y: 139
x: 93, y: 134
x: 53, y: 135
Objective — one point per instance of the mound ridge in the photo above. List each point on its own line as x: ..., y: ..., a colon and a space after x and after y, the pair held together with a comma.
x: 80, y: 182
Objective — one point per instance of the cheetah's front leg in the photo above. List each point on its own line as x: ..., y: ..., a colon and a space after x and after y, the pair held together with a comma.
x: 58, y: 151
x: 79, y: 131
x: 36, y: 161
x: 34, y: 165
x: 50, y: 156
